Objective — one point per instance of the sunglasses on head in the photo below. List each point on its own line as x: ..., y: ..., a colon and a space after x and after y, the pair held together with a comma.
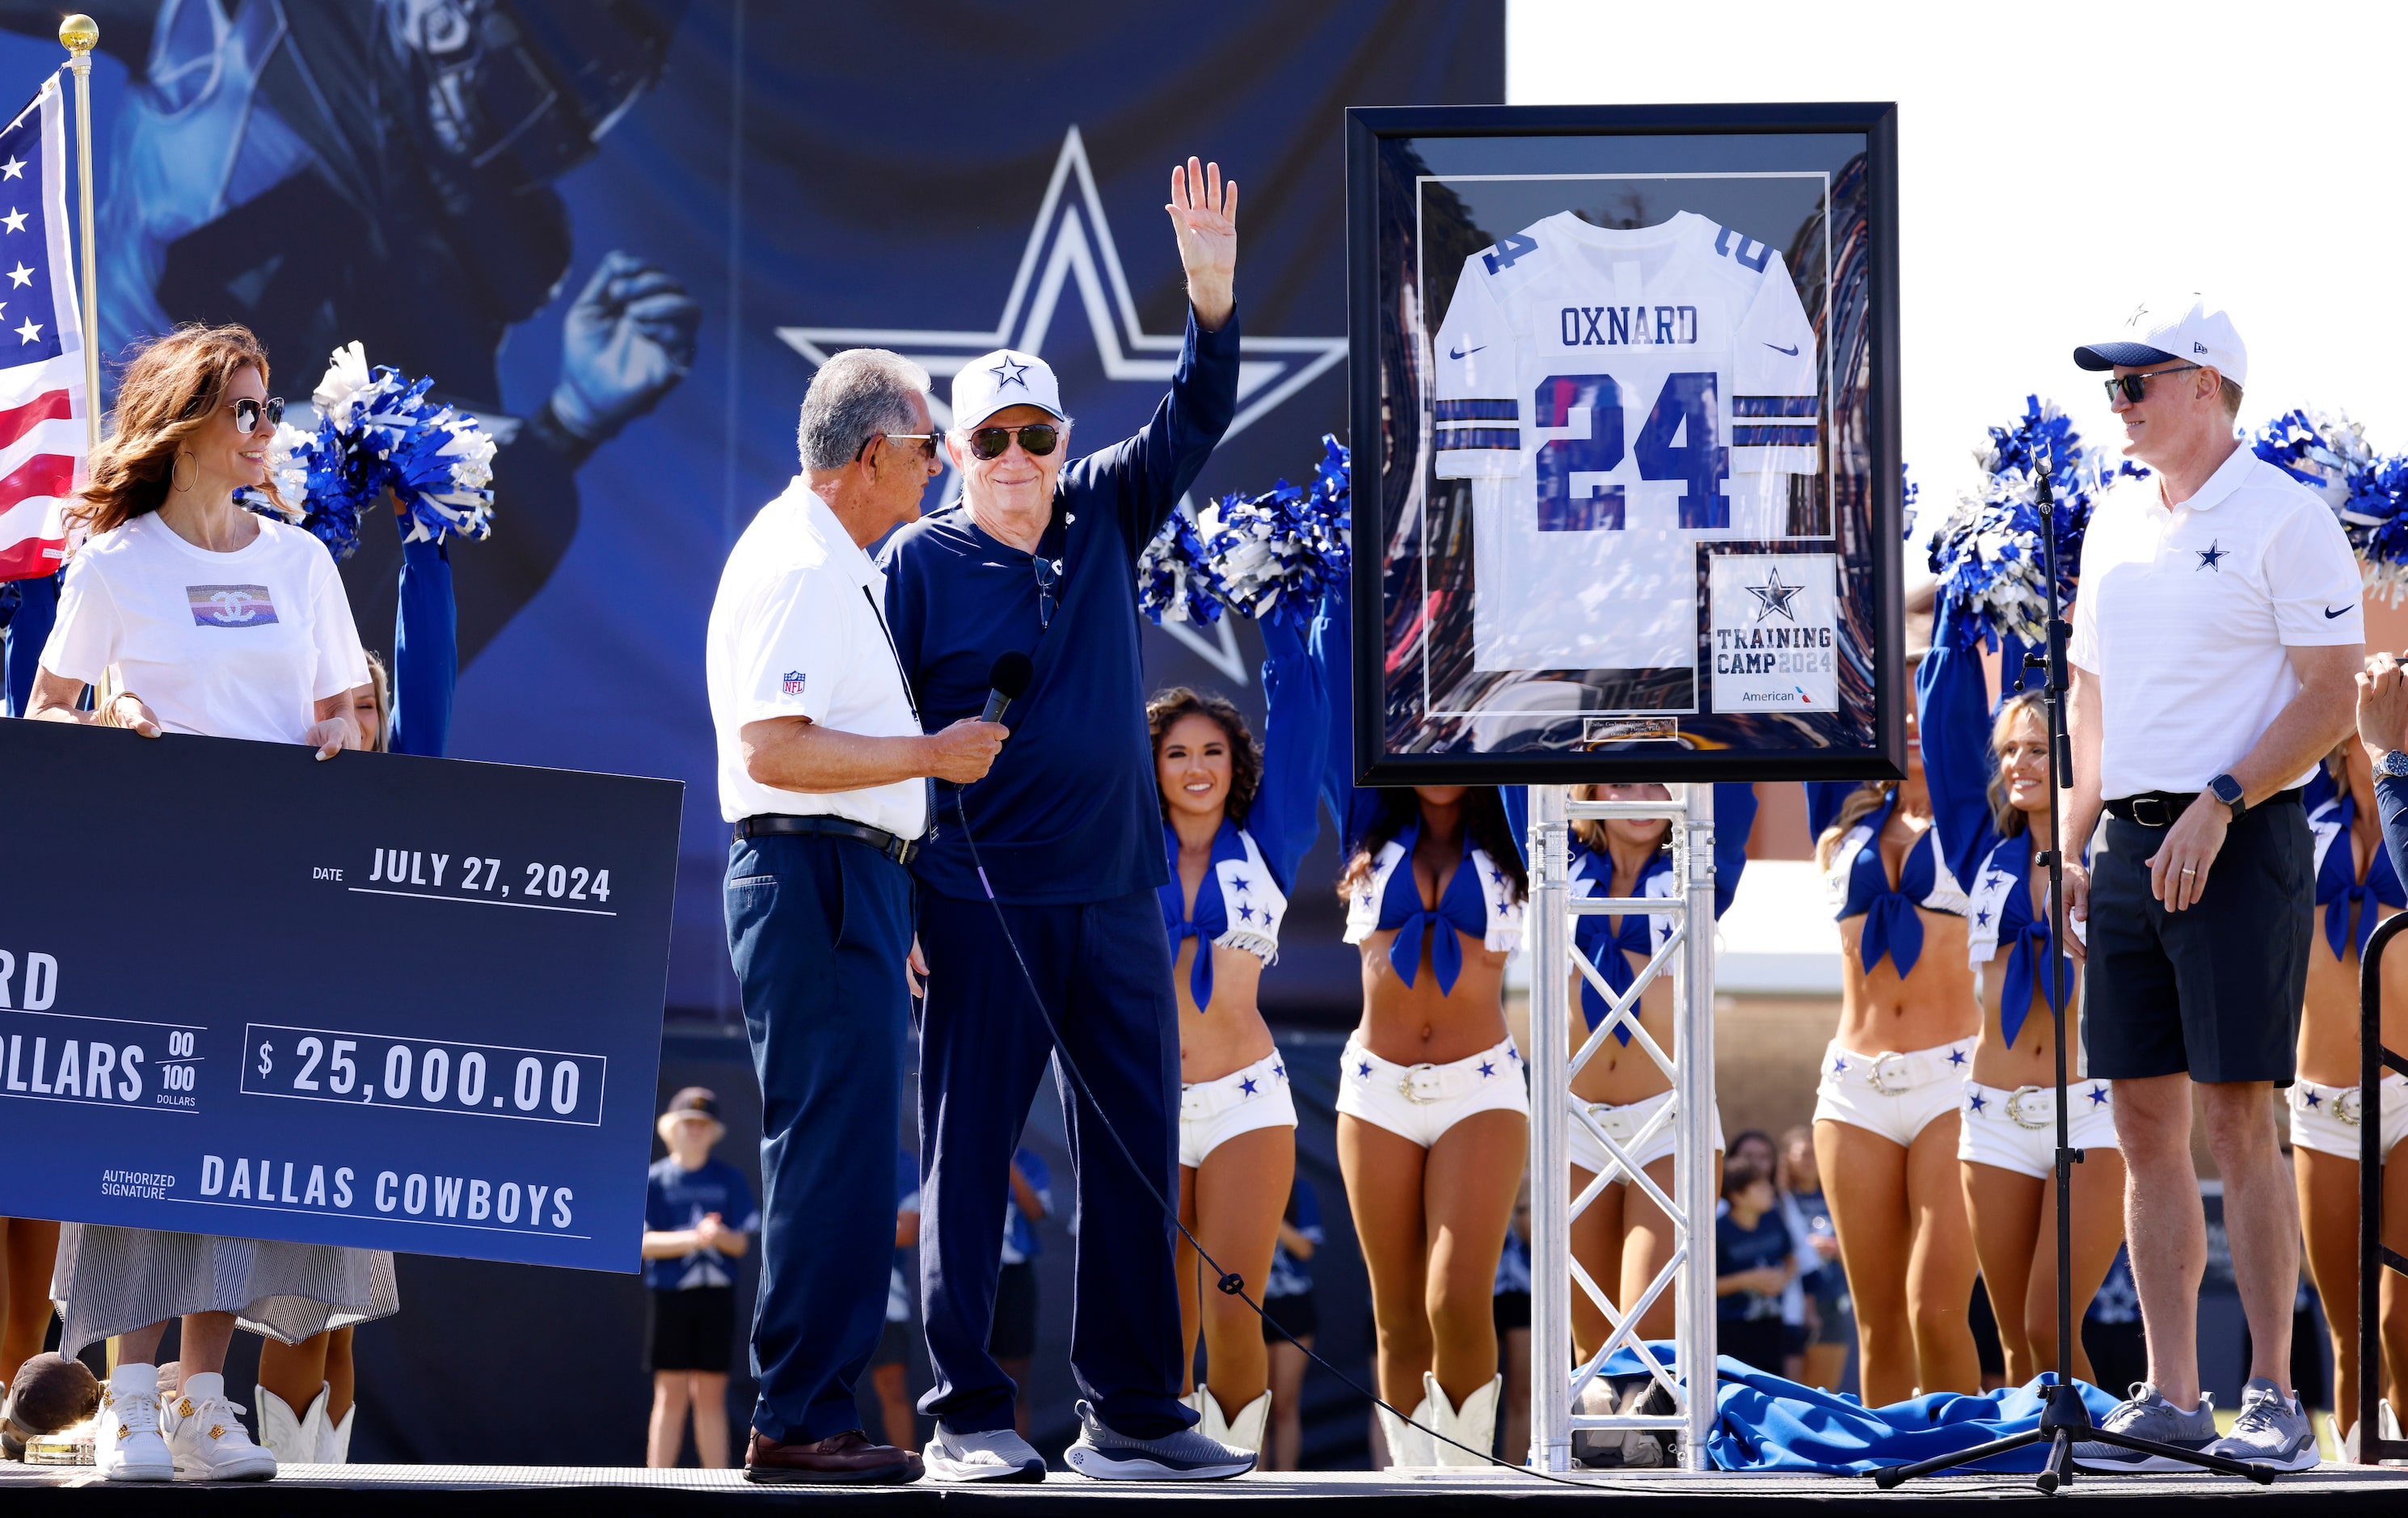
x: 248, y: 412
x: 1036, y: 439
x: 2133, y: 387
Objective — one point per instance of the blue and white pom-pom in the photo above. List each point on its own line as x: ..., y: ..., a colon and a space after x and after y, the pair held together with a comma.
x: 1171, y: 581
x: 1274, y: 557
x: 438, y: 462
x: 1989, y: 556
x: 2329, y: 454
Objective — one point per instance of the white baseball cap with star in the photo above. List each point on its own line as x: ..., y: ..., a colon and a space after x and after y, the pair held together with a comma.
x: 2186, y: 327
x: 1005, y: 377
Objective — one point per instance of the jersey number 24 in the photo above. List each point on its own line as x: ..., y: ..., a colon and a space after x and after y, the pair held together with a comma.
x: 1698, y: 461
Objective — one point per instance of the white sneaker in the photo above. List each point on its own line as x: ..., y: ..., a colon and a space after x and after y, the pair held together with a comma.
x: 994, y: 1454
x: 207, y: 1439
x: 125, y: 1442
x: 292, y: 1438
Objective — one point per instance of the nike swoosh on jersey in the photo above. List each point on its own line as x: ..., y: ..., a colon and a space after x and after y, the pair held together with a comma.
x: 2342, y: 613
x: 1458, y: 350
x: 1791, y: 350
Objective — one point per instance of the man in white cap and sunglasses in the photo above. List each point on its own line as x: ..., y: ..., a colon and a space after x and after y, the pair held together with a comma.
x: 2217, y: 634
x: 1062, y: 841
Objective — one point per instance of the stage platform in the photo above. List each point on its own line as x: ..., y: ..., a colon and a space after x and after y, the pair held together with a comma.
x: 528, y: 1491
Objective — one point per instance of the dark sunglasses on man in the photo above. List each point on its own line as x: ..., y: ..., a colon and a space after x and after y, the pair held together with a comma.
x: 927, y: 441
x: 247, y: 413
x: 1036, y: 439
x: 2134, y: 387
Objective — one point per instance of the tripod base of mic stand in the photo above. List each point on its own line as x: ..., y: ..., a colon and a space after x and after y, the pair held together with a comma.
x: 2064, y: 1422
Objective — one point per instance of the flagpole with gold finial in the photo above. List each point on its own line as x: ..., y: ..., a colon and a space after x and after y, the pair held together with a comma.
x: 79, y: 34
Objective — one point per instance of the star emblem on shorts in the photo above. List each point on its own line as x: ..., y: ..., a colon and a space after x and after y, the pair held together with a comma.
x: 1486, y: 1067
x: 1280, y: 1070
x: 1839, y: 1067
x: 1363, y: 1069
x: 1247, y: 1085
x: 1956, y: 1056
x: 2311, y: 1098
x: 2208, y: 556
x: 1772, y: 595
x: 1977, y: 1101
x: 2097, y: 1096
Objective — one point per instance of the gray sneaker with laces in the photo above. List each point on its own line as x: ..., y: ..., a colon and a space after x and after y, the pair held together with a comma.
x: 994, y: 1454
x: 2272, y: 1429
x: 2148, y: 1415
x: 1186, y: 1455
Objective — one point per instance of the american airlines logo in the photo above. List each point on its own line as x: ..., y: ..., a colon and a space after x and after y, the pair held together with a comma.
x: 1628, y: 326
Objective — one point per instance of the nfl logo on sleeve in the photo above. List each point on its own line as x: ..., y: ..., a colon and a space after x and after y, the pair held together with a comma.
x: 794, y: 682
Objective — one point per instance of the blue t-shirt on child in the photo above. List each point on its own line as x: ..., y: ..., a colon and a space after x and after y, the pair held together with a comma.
x: 1737, y: 1249
x: 676, y: 1199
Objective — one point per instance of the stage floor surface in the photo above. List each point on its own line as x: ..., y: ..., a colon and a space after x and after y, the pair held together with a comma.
x: 526, y: 1491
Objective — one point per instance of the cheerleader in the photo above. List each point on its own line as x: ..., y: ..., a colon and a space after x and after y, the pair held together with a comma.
x: 1622, y: 1238
x: 1886, y: 1125
x: 2007, y: 1143
x: 2356, y: 887
x: 1433, y: 1110
x: 1237, y: 819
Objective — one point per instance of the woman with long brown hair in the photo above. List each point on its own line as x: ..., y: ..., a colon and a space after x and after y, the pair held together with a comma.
x: 198, y: 616
x: 2007, y: 1146
x: 1886, y: 1110
x: 1237, y: 820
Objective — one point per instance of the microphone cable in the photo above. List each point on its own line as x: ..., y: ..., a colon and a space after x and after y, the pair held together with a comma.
x: 1228, y: 1282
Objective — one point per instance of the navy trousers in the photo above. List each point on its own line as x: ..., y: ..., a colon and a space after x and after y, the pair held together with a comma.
x: 1104, y: 970
x: 818, y: 928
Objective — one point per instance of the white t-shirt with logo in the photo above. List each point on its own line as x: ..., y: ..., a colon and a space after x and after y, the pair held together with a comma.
x: 2184, y: 616
x: 226, y: 645
x: 798, y: 630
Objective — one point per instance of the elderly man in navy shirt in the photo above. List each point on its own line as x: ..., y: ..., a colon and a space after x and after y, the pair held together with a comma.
x: 1040, y: 558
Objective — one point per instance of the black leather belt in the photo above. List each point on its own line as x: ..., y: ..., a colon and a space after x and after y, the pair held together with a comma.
x: 2158, y: 808
x: 899, y: 850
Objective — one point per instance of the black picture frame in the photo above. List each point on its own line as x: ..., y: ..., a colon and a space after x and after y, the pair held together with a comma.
x: 1871, y: 527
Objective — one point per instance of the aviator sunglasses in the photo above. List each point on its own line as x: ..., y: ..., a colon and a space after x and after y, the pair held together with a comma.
x: 248, y: 412
x: 1036, y: 439
x: 2134, y: 387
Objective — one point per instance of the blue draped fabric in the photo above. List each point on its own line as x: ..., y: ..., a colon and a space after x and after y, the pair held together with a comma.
x: 22, y: 636
x: 1462, y: 908
x: 1210, y: 918
x: 2338, y: 891
x: 1952, y: 707
x: 1735, y: 807
x: 425, y: 651
x: 2030, y: 941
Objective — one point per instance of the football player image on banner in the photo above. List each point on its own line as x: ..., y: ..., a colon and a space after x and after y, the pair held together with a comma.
x: 1628, y: 382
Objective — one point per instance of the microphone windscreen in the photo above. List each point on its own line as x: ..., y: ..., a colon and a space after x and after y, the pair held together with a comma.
x: 1010, y: 675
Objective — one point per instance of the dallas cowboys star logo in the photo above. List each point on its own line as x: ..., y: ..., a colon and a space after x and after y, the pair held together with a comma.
x: 1363, y: 1069
x: 1009, y: 373
x: 1772, y: 595
x: 1838, y: 1066
x: 2208, y: 557
x: 1981, y: 918
x: 1071, y: 243
x: 1247, y: 1085
x: 2311, y: 1098
x: 2097, y: 1096
x: 1977, y: 1102
x: 1486, y: 1068
x: 1956, y: 1056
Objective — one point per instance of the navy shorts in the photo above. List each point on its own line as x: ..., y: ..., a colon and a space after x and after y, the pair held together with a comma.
x: 2215, y: 991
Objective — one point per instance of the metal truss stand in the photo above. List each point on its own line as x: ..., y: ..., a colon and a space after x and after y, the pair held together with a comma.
x: 1688, y: 955
x: 2366, y: 1445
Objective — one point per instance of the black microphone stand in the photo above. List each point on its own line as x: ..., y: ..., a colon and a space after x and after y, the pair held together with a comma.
x: 2064, y: 1421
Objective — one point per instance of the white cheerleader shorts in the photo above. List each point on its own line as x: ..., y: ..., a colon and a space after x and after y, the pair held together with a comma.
x: 1895, y: 1095
x: 1212, y: 1112
x: 2016, y: 1130
x: 1420, y: 1102
x: 1621, y: 1124
x: 2326, y: 1119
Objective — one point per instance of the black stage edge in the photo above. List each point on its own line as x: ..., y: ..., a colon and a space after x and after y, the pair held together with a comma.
x: 528, y: 1491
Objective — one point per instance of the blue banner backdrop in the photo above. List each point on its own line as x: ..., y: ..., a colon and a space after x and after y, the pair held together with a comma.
x: 626, y: 231
x: 394, y: 1003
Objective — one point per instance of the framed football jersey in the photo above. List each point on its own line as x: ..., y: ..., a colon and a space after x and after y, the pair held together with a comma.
x: 1625, y: 420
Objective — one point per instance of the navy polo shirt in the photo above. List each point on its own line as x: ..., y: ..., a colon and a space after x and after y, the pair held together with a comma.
x: 1069, y: 812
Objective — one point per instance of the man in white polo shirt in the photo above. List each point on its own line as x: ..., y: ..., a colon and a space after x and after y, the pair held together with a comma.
x: 2217, y: 634
x: 823, y: 770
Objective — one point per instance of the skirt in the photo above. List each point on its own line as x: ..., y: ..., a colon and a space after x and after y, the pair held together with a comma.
x: 112, y: 1281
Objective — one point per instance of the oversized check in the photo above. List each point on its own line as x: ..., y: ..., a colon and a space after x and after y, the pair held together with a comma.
x: 399, y: 1003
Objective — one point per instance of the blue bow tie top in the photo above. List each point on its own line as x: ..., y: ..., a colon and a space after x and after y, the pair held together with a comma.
x: 2004, y: 913
x: 2338, y: 891
x: 1858, y: 884
x: 1238, y: 905
x: 1609, y: 942
x: 1478, y: 899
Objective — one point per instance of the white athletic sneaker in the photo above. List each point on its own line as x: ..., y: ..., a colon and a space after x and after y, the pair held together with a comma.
x: 994, y: 1454
x: 125, y: 1442
x: 207, y: 1439
x: 1101, y: 1453
x: 2271, y: 1429
x: 292, y: 1438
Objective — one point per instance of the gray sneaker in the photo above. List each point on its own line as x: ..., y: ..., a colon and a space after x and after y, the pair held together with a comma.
x: 990, y: 1454
x: 1184, y: 1457
x: 2148, y: 1415
x: 2272, y: 1429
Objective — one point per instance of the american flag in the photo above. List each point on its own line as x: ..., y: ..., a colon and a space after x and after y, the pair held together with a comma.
x: 42, y: 343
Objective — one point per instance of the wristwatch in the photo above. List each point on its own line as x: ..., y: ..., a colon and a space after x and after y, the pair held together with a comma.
x: 2392, y: 765
x: 2228, y: 790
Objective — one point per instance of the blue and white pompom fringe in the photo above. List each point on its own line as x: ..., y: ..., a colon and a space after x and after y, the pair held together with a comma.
x: 1273, y: 557
x: 2329, y: 454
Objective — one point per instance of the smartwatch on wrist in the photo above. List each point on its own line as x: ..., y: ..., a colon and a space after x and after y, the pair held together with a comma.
x: 2228, y: 790
x: 2392, y: 765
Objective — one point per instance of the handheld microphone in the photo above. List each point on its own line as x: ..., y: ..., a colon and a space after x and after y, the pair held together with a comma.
x: 1008, y: 681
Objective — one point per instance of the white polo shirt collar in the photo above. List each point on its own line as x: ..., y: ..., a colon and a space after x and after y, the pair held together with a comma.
x: 2228, y: 476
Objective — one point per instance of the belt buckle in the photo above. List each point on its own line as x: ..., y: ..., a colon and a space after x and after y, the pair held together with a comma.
x: 2350, y: 1105
x: 1611, y: 1122
x: 1878, y: 1076
x: 2016, y: 1110
x: 2144, y: 805
x: 1408, y: 1084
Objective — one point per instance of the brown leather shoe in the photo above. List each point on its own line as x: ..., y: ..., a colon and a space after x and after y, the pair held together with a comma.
x: 849, y: 1459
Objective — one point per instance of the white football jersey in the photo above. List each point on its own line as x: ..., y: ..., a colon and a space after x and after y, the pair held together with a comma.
x: 1617, y: 396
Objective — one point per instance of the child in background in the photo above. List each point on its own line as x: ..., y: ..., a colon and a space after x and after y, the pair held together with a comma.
x: 688, y: 1244
x: 1754, y: 1259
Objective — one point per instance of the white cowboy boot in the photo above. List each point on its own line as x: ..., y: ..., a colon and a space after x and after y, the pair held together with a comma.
x: 335, y: 1438
x: 1409, y: 1447
x: 1245, y: 1431
x: 1474, y: 1424
x: 293, y: 1438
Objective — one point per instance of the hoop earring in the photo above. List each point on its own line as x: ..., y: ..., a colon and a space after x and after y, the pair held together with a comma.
x: 172, y: 477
